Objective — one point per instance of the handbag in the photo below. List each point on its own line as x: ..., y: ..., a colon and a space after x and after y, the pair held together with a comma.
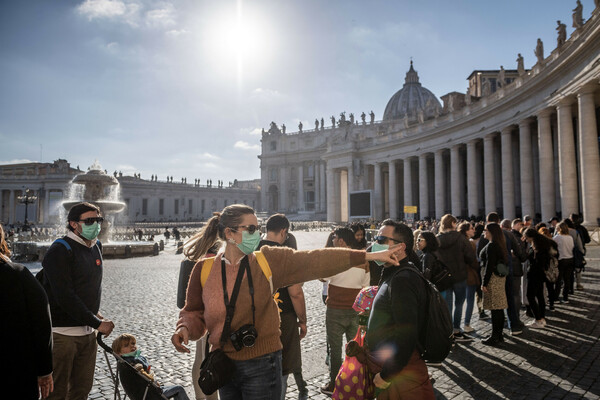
x: 217, y: 369
x: 354, y: 379
x: 441, y: 276
x: 501, y: 269
x: 552, y: 270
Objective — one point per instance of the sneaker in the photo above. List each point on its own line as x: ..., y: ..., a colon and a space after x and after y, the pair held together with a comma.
x: 491, y: 341
x: 517, y: 330
x: 468, y: 329
x: 434, y: 364
x: 328, y: 388
x: 483, y: 315
x: 461, y: 337
x: 543, y: 322
x: 536, y: 324
x: 579, y: 287
x: 551, y: 308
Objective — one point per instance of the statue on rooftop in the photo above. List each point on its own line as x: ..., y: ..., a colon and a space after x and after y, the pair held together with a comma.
x: 316, y: 124
x: 332, y: 121
x: 520, y: 64
x: 539, y: 51
x: 300, y: 127
x: 501, y: 77
x: 283, y: 128
x: 363, y: 117
x: 562, y: 34
x: 322, y: 123
x: 372, y: 115
x: 578, y: 15
x: 468, y: 97
x: 351, y: 118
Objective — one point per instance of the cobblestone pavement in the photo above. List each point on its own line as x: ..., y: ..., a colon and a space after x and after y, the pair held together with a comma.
x: 561, y: 361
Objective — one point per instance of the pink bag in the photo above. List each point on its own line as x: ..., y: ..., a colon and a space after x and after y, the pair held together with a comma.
x: 354, y: 381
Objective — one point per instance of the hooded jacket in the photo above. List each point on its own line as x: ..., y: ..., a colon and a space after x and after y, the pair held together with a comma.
x: 456, y: 253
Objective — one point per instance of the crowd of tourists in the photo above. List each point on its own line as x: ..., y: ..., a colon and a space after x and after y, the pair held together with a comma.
x: 242, y: 301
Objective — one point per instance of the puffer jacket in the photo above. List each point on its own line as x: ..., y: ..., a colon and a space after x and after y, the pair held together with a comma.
x: 456, y: 252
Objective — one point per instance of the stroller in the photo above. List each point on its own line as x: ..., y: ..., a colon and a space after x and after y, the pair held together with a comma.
x: 136, y: 385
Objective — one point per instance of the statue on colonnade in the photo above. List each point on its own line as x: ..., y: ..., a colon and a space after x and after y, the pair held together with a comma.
x: 578, y: 15
x: 520, y: 64
x: 539, y: 51
x: 562, y: 34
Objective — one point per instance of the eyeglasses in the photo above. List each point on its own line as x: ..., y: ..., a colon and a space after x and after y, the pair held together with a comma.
x: 90, y: 221
x: 383, y: 239
x: 420, y: 239
x: 250, y: 228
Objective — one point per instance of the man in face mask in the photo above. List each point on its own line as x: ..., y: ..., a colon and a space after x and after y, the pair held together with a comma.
x: 72, y: 278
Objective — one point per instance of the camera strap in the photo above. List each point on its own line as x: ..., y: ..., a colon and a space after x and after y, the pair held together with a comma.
x: 230, y: 303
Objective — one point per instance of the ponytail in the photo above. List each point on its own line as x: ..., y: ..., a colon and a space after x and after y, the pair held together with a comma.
x: 199, y: 244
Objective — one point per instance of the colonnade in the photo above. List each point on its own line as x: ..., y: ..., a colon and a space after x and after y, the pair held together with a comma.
x: 542, y: 165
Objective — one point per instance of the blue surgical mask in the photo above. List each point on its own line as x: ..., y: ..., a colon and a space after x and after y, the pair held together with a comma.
x: 250, y: 242
x: 379, y: 247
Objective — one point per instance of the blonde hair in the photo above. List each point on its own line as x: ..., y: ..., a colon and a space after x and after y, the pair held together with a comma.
x: 229, y: 217
x: 121, y: 341
x: 416, y: 234
x: 562, y: 228
x: 3, y: 245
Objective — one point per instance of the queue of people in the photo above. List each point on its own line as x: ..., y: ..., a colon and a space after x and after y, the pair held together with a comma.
x: 246, y: 309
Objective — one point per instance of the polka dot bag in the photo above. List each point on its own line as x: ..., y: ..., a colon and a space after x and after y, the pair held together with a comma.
x: 353, y: 381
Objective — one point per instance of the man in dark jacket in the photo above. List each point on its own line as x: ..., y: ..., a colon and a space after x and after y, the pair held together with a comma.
x: 73, y: 280
x: 26, y: 334
x: 397, y: 316
x: 456, y: 253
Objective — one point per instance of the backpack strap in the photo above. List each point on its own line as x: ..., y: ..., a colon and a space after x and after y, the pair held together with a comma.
x: 260, y: 257
x: 64, y: 243
x: 264, y: 265
x: 206, y: 267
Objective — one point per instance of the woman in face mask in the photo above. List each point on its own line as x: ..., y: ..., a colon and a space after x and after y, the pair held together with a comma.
x: 251, y: 341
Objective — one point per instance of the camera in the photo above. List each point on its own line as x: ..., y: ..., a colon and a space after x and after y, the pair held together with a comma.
x: 244, y: 337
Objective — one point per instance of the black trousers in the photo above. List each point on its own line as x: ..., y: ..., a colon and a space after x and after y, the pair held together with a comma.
x: 497, y: 323
x: 565, y: 277
x: 535, y: 296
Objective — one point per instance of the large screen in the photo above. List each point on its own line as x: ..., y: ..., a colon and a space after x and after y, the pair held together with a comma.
x: 360, y: 204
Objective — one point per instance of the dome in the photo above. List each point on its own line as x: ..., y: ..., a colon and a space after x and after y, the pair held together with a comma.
x: 411, y: 99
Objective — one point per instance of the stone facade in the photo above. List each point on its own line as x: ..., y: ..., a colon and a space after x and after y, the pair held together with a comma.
x: 528, y: 146
x: 147, y: 200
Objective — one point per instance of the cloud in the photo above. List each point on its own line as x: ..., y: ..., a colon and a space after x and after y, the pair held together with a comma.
x: 176, y: 33
x: 162, y: 17
x: 16, y: 161
x: 265, y: 94
x: 250, y: 131
x: 208, y: 156
x: 109, y: 9
x: 240, y: 144
x: 127, y: 169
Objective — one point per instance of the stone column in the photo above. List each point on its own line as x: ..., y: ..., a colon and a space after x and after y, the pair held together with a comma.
x: 264, y: 190
x: 508, y: 184
x: 283, y: 195
x: 378, y: 201
x: 11, y: 207
x: 567, y: 164
x: 300, y: 195
x: 323, y: 188
x: 489, y: 180
x: 317, y: 188
x: 590, y: 159
x: 423, y: 187
x: 440, y: 190
x: 350, y: 178
x: 456, y: 179
x: 526, y: 154
x: 393, y: 190
x: 472, y: 189
x: 47, y: 207
x: 408, y: 196
x: 547, y: 188
x: 331, y: 206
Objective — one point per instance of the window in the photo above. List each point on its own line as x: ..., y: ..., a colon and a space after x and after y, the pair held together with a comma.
x: 309, y: 200
x: 309, y: 171
x: 273, y: 175
x: 224, y: 203
x: 144, y: 206
x: 203, y: 205
x: 161, y: 206
x: 273, y: 146
x: 190, y: 208
x: 176, y: 206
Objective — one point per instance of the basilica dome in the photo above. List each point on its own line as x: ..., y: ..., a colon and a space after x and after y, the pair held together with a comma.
x: 412, y: 100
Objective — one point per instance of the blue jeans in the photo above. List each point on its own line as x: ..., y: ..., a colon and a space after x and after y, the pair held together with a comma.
x: 255, y: 379
x: 458, y: 289
x: 471, y: 290
x: 175, y: 392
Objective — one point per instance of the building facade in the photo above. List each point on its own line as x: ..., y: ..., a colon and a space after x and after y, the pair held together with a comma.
x: 518, y: 142
x: 146, y: 200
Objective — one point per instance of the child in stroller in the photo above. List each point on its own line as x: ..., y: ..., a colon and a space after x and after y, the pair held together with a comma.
x: 125, y: 347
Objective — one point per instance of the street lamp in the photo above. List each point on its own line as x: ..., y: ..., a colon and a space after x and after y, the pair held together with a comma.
x: 27, y: 198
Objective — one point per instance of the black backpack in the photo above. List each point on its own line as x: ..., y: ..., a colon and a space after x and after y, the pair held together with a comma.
x: 436, y: 338
x: 439, y: 275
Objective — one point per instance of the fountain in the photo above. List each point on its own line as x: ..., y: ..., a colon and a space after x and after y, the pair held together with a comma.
x: 98, y: 190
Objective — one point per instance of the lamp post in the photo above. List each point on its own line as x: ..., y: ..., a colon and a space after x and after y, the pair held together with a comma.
x: 27, y: 198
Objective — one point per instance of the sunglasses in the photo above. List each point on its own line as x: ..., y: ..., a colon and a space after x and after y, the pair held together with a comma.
x: 250, y: 228
x: 383, y: 239
x: 90, y: 221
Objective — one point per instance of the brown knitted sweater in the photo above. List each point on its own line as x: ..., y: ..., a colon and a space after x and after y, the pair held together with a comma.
x: 205, y: 308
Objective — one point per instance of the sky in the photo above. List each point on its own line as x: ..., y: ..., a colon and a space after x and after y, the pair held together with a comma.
x: 183, y: 88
